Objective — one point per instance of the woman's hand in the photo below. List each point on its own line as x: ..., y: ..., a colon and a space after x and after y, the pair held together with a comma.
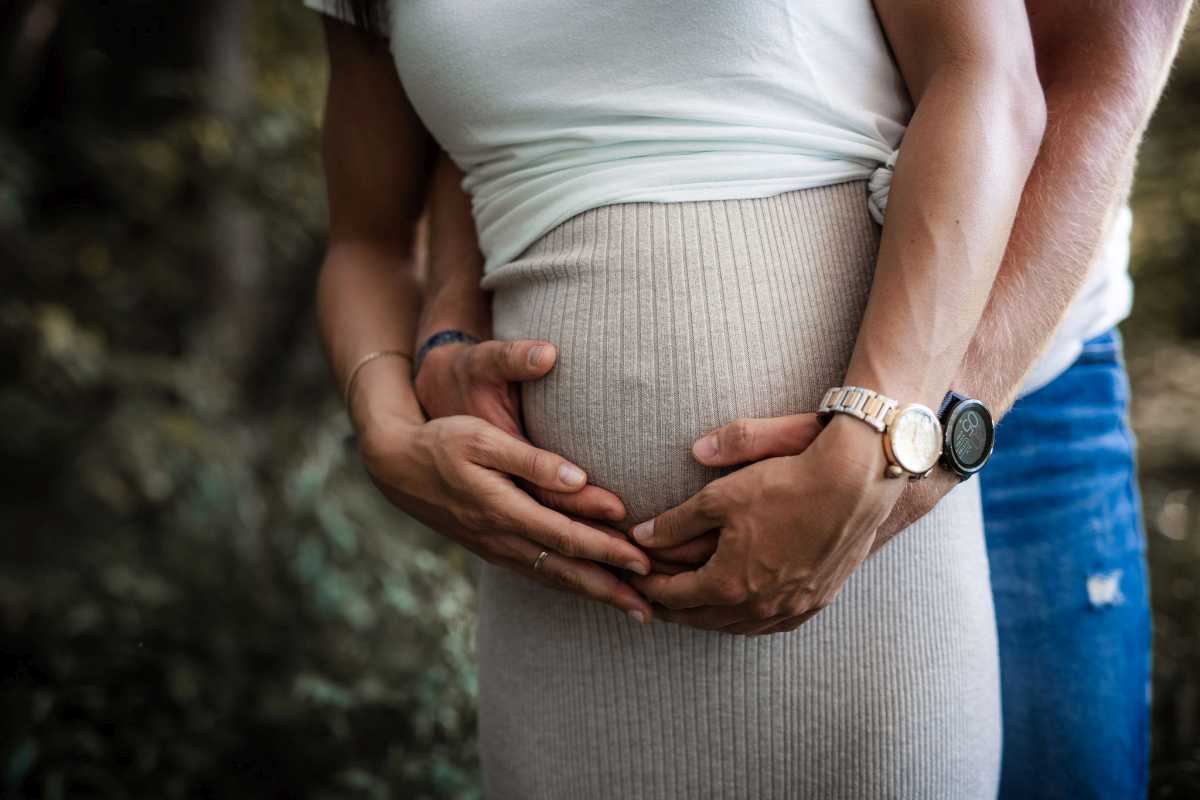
x: 481, y: 380
x: 453, y: 474
x: 791, y: 530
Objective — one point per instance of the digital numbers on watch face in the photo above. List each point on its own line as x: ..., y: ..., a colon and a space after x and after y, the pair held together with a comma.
x: 970, y: 436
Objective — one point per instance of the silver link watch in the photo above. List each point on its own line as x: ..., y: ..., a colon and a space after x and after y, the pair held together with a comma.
x: 912, y: 434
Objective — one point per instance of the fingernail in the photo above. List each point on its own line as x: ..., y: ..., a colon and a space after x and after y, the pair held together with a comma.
x: 644, y: 531
x: 638, y: 617
x: 571, y: 475
x: 535, y: 355
x: 638, y: 567
x: 707, y: 447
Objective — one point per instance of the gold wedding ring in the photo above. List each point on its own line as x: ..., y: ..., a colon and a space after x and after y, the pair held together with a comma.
x: 537, y: 562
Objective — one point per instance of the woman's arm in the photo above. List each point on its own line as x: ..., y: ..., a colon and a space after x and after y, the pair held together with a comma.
x: 1102, y: 71
x: 453, y: 473
x: 378, y: 158
x: 793, y: 529
x: 1102, y: 68
x: 968, y: 150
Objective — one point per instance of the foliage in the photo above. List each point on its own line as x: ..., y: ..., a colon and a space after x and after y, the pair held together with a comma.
x: 201, y: 593
x: 1163, y: 339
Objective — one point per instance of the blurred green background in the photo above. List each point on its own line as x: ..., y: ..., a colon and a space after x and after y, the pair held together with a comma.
x: 201, y: 594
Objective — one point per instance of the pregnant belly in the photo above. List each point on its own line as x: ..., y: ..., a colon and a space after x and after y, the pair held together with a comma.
x: 673, y: 319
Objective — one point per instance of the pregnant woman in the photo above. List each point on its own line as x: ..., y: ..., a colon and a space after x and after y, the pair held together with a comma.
x: 677, y: 205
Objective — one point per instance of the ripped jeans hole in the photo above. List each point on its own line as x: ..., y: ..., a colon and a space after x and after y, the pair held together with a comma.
x: 1104, y: 589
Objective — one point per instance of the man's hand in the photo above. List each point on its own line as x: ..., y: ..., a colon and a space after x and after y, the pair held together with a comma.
x: 791, y: 531
x: 480, y: 380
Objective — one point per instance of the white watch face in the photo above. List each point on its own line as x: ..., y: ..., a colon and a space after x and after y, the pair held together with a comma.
x: 916, y: 438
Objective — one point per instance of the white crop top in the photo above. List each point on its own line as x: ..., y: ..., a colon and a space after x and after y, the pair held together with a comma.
x: 553, y: 107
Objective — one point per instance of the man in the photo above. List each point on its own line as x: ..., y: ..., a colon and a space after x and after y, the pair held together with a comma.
x: 1060, y: 497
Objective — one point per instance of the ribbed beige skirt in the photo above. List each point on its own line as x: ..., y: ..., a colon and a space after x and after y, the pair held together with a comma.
x: 672, y: 319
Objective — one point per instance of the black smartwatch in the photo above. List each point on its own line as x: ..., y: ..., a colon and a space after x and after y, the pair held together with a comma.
x: 968, y: 434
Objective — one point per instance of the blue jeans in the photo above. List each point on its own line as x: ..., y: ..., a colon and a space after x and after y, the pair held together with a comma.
x: 1067, y: 550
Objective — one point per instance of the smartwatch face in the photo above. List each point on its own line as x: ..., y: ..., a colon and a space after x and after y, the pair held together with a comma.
x: 970, y: 435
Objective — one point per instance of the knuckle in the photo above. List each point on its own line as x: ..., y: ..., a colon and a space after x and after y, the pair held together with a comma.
x: 517, y: 525
x: 711, y: 500
x: 763, y: 609
x: 611, y: 555
x: 508, y: 353
x: 565, y: 543
x: 664, y: 532
x: 481, y: 519
x: 571, y: 578
x: 536, y: 463
x: 477, y: 444
x: 729, y: 591
x: 739, y: 436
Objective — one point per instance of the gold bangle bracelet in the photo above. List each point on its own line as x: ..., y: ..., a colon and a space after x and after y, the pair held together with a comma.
x: 367, y: 359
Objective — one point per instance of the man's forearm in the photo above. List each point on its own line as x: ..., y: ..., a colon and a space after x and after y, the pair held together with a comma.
x: 1101, y: 85
x: 1102, y: 73
x: 452, y: 297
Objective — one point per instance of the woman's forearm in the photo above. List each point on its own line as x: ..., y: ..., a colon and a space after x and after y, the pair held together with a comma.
x: 367, y: 301
x: 378, y: 159
x: 966, y: 155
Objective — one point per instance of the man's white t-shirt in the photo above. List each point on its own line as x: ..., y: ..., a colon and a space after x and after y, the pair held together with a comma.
x: 553, y: 107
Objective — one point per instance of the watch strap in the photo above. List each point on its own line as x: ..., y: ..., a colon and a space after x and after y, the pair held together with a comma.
x: 437, y: 340
x: 951, y: 399
x: 865, y: 404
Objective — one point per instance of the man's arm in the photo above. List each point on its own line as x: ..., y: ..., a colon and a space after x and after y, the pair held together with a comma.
x: 452, y: 296
x: 1102, y: 65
